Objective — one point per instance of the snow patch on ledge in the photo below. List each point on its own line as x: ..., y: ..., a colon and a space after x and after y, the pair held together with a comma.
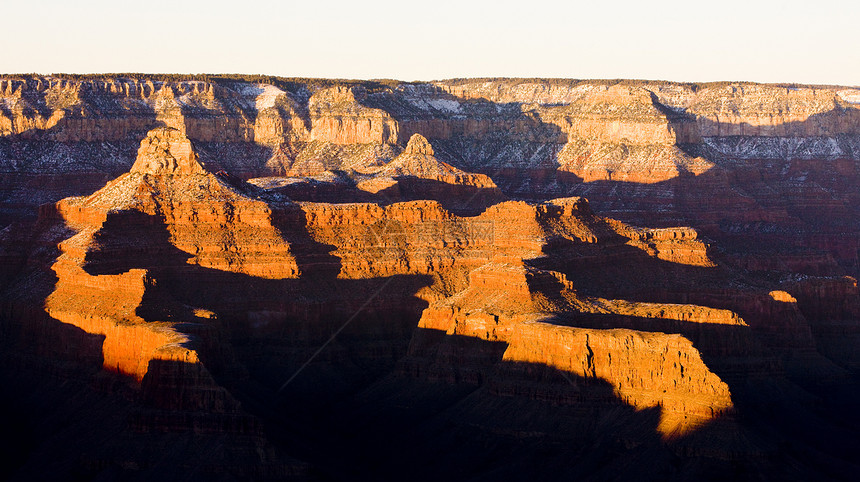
x: 264, y: 95
x: 851, y: 96
x: 269, y: 95
x: 444, y: 105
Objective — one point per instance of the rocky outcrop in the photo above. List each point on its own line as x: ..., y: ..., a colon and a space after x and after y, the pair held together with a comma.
x: 645, y: 369
x: 105, y: 283
x: 165, y: 172
x: 528, y: 309
x: 168, y: 152
x: 418, y: 162
x: 337, y: 116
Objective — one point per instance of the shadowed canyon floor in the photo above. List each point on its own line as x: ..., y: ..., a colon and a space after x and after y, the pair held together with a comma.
x: 337, y: 280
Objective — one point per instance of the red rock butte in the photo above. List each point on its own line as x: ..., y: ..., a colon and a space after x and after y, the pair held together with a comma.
x: 268, y: 278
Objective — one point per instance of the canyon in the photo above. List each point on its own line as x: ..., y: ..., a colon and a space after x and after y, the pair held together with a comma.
x: 266, y: 278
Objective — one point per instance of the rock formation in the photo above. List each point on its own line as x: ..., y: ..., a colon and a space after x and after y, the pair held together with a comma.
x: 726, y: 158
x: 413, y: 277
x: 418, y: 160
x: 168, y: 152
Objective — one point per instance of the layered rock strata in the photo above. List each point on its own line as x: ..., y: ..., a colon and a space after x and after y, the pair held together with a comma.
x: 389, y: 274
x: 756, y: 166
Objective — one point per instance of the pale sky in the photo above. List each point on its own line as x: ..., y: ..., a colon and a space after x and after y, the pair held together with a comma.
x: 809, y: 41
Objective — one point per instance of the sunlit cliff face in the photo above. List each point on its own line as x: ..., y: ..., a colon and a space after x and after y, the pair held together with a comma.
x: 404, y: 239
x: 215, y: 226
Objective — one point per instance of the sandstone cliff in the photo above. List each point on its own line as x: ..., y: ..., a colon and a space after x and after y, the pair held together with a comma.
x: 418, y: 283
x: 760, y: 167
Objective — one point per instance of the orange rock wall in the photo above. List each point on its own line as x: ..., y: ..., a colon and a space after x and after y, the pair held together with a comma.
x: 645, y: 369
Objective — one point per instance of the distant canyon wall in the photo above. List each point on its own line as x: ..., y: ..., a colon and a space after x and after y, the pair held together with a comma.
x: 553, y: 131
x: 773, y: 164
x: 551, y: 111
